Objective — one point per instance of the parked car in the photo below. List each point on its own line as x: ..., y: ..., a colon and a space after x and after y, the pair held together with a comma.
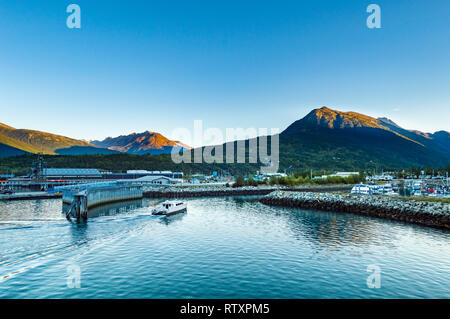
x: 6, y: 192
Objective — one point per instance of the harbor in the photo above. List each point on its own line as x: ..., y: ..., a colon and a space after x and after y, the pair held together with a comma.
x: 223, y: 247
x: 431, y: 187
x: 383, y: 196
x: 376, y: 200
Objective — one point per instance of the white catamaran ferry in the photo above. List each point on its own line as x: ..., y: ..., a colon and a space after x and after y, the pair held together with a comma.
x: 170, y: 207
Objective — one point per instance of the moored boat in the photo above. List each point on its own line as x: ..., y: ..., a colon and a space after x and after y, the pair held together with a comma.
x: 361, y: 189
x: 387, y: 189
x: 373, y: 189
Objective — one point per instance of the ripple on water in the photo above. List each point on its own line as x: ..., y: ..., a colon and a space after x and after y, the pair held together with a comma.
x: 221, y: 248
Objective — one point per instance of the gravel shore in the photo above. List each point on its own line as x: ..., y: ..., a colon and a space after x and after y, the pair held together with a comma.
x: 418, y: 212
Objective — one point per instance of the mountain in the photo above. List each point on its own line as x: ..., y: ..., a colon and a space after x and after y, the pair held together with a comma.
x: 442, y: 138
x: 439, y: 141
x: 7, y: 151
x: 328, y: 118
x: 15, y: 142
x: 140, y: 143
x: 325, y: 138
x: 31, y: 141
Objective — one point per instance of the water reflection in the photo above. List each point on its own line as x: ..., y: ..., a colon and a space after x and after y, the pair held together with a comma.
x: 243, y: 201
x: 109, y: 209
x: 330, y: 230
x: 79, y: 233
x: 326, y: 228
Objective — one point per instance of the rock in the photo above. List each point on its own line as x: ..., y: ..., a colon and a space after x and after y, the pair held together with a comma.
x: 423, y: 213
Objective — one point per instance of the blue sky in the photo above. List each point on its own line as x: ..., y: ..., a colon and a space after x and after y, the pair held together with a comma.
x: 158, y: 65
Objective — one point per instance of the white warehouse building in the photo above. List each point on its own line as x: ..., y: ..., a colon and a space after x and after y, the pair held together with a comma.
x: 156, y: 180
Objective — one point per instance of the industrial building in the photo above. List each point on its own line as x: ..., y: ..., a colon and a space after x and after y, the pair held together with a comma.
x: 134, y: 174
x: 93, y: 174
x: 156, y: 180
x: 72, y: 174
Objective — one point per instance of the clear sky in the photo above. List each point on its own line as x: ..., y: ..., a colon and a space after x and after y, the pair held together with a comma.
x: 157, y: 65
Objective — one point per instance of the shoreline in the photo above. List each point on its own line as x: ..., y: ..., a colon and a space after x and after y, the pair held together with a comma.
x: 416, y: 212
x: 195, y: 191
x: 198, y: 191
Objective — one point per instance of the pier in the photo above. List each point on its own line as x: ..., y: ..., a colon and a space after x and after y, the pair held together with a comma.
x: 81, y: 198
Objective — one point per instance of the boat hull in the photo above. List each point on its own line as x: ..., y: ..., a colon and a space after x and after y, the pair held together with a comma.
x: 179, y: 211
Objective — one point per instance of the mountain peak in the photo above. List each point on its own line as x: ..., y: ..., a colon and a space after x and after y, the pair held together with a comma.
x: 385, y: 120
x: 442, y: 133
x: 147, y: 142
x: 329, y: 118
x: 325, y: 109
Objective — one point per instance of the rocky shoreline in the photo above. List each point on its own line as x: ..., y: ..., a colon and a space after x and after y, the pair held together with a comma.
x: 432, y: 214
x: 199, y: 191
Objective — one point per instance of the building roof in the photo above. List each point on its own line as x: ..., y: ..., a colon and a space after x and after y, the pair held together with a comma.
x: 151, y: 172
x: 71, y: 171
x: 346, y: 173
x: 153, y: 178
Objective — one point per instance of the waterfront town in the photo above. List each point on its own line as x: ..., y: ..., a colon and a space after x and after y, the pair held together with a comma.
x: 231, y: 157
x: 98, y: 187
x: 43, y: 179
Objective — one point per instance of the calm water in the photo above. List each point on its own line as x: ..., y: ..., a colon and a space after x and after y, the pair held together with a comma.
x: 221, y: 248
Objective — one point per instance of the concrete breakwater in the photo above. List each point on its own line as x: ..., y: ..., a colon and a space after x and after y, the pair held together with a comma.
x: 198, y: 191
x: 418, y: 212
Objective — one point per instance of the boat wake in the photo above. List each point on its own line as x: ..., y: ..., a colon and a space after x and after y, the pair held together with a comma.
x: 75, y: 239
